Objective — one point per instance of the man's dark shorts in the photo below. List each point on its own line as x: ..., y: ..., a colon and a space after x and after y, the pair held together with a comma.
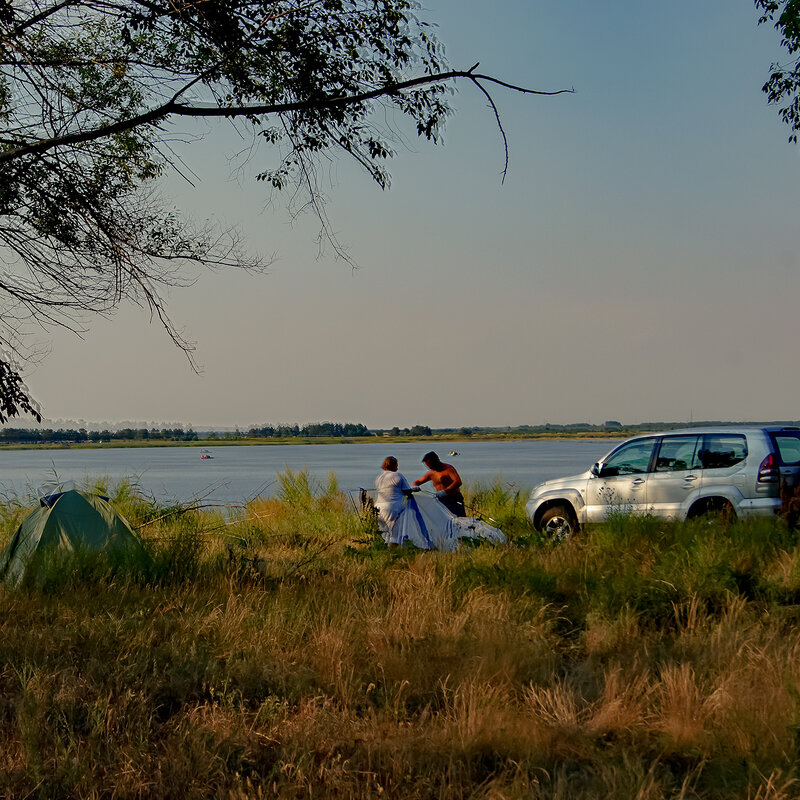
x: 454, y: 503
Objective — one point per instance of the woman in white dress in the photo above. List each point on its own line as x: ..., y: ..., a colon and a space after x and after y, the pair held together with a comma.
x: 391, y: 489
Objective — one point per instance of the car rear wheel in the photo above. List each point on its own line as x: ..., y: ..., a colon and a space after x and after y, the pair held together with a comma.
x: 713, y: 510
x: 558, y: 523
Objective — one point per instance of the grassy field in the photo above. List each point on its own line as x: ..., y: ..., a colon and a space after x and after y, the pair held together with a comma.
x: 282, y: 651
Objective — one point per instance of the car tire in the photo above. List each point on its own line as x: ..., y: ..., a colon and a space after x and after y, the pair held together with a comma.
x: 558, y: 523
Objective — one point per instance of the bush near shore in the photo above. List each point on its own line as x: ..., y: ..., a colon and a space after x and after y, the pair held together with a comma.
x: 281, y: 650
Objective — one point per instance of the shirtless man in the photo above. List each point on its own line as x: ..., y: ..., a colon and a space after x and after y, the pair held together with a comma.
x: 446, y: 481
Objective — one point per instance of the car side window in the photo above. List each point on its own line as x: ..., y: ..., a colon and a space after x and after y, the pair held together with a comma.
x: 678, y: 453
x: 630, y: 459
x: 722, y: 450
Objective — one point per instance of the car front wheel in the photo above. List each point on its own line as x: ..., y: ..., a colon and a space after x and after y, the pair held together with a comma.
x: 558, y: 523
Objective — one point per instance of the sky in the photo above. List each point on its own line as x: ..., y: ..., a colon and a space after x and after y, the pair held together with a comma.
x: 639, y: 263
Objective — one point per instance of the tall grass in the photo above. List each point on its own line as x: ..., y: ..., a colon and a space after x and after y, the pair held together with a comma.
x: 282, y: 651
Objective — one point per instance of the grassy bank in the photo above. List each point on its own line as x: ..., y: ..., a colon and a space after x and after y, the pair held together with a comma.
x: 282, y: 651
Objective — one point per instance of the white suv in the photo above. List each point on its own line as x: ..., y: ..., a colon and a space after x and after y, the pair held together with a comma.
x: 677, y: 474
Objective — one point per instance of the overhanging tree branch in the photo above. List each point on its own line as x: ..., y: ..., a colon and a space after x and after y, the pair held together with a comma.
x: 176, y: 109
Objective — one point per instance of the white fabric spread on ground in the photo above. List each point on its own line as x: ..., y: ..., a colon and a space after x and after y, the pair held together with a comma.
x: 426, y: 523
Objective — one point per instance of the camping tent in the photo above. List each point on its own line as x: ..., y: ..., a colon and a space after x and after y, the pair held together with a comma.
x: 69, y: 522
x: 428, y: 524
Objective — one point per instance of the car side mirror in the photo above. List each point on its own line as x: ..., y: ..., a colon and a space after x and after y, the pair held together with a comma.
x: 596, y: 470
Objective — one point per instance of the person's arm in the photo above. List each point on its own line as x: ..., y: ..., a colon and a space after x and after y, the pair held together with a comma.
x: 424, y: 479
x: 406, y: 489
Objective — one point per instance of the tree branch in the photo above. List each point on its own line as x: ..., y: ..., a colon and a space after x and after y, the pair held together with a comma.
x: 173, y: 108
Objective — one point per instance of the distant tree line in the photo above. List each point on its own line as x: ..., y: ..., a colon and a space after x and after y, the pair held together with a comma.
x: 49, y: 436
x: 335, y: 430
x: 331, y: 429
x: 609, y: 426
x: 417, y: 430
x: 65, y: 435
x: 573, y: 427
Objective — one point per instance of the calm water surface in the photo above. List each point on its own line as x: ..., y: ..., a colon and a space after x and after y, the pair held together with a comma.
x: 236, y: 473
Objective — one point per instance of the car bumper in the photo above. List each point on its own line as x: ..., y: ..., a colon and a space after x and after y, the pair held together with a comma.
x: 759, y: 507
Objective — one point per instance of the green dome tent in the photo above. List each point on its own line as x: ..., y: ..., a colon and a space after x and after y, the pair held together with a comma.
x: 68, y: 523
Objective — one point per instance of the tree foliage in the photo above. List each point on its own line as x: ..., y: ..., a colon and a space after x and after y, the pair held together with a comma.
x: 94, y: 95
x: 783, y: 86
x: 14, y: 396
x: 330, y: 429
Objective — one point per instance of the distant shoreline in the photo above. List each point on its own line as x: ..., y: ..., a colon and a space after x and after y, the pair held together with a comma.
x: 300, y: 441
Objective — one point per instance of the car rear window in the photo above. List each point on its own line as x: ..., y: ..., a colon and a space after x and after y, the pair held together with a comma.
x: 788, y: 446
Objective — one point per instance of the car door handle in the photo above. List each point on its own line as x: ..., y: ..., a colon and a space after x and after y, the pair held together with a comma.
x: 690, y: 478
x: 637, y: 481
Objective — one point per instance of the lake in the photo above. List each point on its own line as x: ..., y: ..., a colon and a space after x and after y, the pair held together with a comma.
x: 238, y: 472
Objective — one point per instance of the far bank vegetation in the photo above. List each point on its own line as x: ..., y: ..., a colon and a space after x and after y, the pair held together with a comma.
x: 325, y: 432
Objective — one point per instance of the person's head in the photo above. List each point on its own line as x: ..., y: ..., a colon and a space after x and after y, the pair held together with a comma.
x: 389, y: 464
x: 431, y: 461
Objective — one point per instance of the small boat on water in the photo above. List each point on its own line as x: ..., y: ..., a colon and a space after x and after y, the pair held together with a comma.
x: 205, y: 454
x: 454, y: 452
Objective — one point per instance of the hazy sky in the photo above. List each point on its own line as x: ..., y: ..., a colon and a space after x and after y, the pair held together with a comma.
x: 640, y: 262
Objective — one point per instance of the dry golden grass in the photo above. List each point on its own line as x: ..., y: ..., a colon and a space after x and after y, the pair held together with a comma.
x: 315, y: 663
